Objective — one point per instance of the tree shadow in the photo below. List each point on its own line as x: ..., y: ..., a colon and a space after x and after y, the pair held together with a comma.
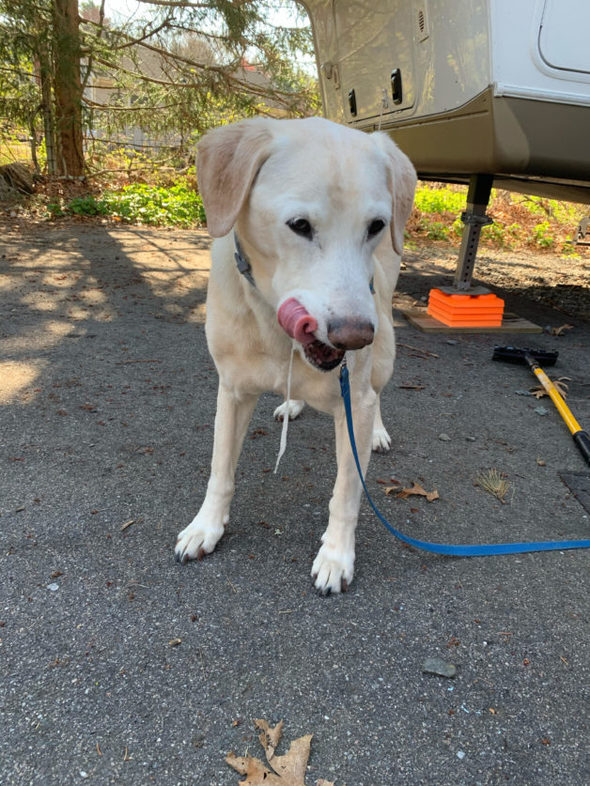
x: 102, y: 336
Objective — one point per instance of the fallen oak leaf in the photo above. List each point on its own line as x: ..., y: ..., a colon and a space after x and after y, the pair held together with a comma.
x: 291, y: 767
x: 254, y: 770
x: 561, y: 384
x: 270, y: 736
x: 416, y: 490
x: 390, y: 490
x: 289, y: 770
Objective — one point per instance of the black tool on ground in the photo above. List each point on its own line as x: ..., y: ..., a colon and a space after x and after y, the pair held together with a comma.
x: 517, y: 355
x: 532, y: 358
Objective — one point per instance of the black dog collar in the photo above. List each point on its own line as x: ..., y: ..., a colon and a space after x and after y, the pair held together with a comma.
x: 242, y: 262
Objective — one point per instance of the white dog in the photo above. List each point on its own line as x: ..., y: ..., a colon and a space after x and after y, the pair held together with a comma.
x: 310, y: 218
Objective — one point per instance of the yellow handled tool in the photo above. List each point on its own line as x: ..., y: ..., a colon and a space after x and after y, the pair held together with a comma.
x: 532, y: 357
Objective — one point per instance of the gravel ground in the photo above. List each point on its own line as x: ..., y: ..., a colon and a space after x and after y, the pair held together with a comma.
x: 561, y: 283
x: 119, y: 666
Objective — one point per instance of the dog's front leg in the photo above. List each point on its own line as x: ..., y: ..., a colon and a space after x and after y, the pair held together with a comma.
x: 333, y: 568
x: 234, y: 411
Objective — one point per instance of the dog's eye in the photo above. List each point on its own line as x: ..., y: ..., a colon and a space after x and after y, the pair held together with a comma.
x: 301, y: 226
x: 375, y: 227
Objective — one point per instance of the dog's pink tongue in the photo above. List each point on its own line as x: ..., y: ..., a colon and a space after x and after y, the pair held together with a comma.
x: 297, y: 321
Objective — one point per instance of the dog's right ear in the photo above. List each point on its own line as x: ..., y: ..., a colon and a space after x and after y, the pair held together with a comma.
x: 228, y: 160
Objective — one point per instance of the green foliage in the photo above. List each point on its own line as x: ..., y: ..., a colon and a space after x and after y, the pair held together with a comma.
x: 86, y: 206
x: 166, y: 74
x: 55, y: 210
x: 439, y: 200
x: 542, y: 235
x: 434, y: 230
x: 142, y: 204
x: 553, y: 209
x: 174, y: 75
x: 503, y: 235
x: 516, y: 218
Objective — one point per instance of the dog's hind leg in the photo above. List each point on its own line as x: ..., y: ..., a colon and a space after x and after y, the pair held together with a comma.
x: 231, y: 421
x: 292, y: 408
x: 381, y: 438
x: 333, y: 568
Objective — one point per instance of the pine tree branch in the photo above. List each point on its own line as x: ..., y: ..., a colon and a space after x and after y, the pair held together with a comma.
x: 143, y: 108
x: 131, y: 40
x: 178, y: 4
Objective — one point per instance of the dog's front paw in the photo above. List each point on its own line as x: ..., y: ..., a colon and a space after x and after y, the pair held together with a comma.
x: 381, y: 440
x: 332, y: 570
x: 196, y: 541
x: 292, y: 408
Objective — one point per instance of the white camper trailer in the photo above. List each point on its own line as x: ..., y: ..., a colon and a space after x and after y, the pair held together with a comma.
x: 476, y: 91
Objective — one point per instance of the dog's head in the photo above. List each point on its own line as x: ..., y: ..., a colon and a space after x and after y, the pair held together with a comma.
x: 310, y: 201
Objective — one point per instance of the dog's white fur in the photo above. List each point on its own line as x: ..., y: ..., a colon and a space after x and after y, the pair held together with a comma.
x: 256, y: 176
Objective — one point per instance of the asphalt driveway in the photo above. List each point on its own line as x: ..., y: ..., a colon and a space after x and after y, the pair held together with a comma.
x: 119, y: 666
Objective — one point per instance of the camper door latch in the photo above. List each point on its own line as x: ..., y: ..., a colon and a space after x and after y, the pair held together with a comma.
x: 396, y: 86
x: 352, y: 102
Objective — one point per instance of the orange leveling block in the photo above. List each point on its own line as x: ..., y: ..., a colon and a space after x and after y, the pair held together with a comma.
x: 466, y: 310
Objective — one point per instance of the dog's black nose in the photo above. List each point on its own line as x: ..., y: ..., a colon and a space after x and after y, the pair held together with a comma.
x: 351, y: 333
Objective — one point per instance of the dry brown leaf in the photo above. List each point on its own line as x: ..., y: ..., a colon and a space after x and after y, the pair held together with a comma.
x: 254, y: 770
x: 289, y: 770
x: 270, y: 737
x: 416, y: 490
x: 389, y: 490
x: 559, y: 331
x: 561, y: 384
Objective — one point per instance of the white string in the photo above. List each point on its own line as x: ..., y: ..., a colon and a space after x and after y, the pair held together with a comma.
x: 283, y: 443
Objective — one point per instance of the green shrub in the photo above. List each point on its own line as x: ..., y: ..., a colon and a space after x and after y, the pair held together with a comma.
x: 144, y: 204
x: 434, y: 230
x: 86, y: 206
x: 439, y: 200
x: 542, y: 235
x: 499, y: 234
x: 55, y: 210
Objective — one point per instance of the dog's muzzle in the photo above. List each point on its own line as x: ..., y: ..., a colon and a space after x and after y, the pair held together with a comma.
x: 343, y: 334
x: 351, y: 333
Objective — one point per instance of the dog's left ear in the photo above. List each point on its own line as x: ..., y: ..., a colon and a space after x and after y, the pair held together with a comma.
x: 228, y: 160
x: 402, y: 184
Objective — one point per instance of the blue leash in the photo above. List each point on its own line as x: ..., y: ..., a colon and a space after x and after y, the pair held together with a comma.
x: 486, y: 549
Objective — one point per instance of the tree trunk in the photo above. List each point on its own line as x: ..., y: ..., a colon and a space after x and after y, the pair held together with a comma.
x: 33, y: 143
x: 68, y: 88
x: 45, y: 80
